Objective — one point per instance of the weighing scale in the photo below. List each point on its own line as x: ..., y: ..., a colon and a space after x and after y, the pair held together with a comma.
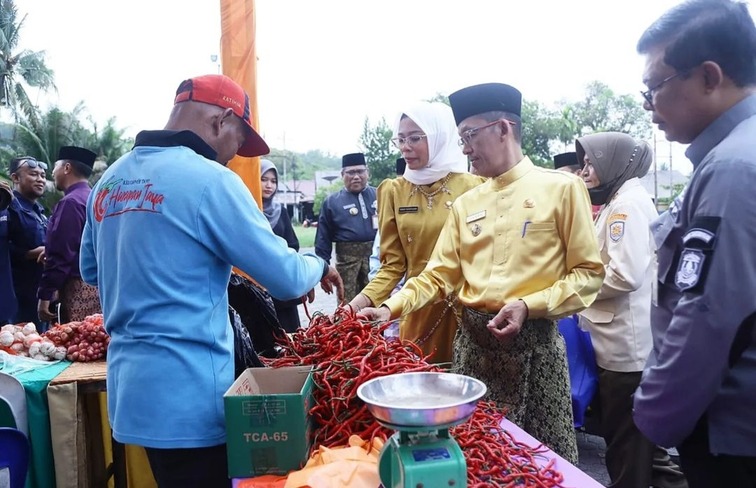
x: 422, y: 407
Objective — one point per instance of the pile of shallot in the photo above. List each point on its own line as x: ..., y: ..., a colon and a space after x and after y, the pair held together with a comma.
x: 84, y: 341
x: 23, y: 340
x: 76, y: 341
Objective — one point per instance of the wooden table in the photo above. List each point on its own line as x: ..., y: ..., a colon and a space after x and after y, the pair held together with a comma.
x: 90, y: 376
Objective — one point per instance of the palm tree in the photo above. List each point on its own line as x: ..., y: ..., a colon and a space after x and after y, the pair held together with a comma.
x: 19, y: 67
x: 110, y: 142
x: 56, y: 128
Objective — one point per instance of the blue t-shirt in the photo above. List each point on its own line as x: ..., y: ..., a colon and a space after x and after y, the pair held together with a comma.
x: 164, y: 225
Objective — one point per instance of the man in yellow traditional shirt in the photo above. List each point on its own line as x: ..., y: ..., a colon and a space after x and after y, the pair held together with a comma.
x: 522, y: 251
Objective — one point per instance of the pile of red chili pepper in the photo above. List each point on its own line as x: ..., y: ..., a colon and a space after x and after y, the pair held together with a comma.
x: 347, y: 351
x: 495, y: 459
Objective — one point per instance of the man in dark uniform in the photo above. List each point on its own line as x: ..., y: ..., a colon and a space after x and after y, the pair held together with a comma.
x: 698, y: 391
x: 7, y: 295
x: 348, y: 218
x: 567, y: 162
x: 27, y: 225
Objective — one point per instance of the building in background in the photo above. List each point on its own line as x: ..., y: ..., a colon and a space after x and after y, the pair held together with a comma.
x: 665, y: 185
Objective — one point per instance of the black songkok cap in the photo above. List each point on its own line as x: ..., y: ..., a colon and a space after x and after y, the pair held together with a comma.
x: 353, y: 159
x: 73, y: 153
x: 488, y: 97
x: 566, y: 159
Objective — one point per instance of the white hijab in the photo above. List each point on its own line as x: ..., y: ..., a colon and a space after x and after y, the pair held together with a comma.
x: 444, y: 154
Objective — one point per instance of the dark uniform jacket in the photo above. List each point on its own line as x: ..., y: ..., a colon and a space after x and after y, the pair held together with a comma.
x: 703, y: 363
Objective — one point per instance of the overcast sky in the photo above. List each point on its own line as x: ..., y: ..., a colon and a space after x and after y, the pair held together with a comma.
x: 326, y: 65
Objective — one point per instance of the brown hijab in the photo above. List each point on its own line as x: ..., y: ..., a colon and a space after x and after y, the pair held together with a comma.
x: 616, y: 157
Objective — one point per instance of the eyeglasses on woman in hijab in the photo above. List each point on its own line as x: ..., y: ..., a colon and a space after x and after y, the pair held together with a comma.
x: 409, y: 140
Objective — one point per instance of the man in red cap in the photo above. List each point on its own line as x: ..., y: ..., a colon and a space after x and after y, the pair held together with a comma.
x: 165, y: 224
x: 61, y: 275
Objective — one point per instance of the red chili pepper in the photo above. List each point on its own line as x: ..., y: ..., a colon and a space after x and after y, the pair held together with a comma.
x: 346, y: 351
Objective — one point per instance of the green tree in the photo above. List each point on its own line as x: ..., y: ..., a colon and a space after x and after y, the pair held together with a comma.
x: 541, y: 126
x: 43, y: 137
x: 380, y: 154
x: 19, y: 67
x: 322, y: 193
x: 110, y: 142
x: 287, y: 163
x: 544, y: 129
x: 313, y: 161
x: 302, y: 166
x: 439, y: 97
x: 602, y: 110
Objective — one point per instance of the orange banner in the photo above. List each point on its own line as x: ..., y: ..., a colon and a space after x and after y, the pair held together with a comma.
x: 239, y: 63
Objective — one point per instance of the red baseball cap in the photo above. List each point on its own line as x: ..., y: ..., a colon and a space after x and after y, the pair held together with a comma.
x: 222, y: 91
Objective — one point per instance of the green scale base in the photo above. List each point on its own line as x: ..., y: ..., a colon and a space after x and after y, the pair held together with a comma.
x: 417, y: 457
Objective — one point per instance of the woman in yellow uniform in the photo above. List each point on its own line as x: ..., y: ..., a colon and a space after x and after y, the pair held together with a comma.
x: 412, y: 210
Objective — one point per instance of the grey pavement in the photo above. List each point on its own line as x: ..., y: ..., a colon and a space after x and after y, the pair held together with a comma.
x: 591, y: 448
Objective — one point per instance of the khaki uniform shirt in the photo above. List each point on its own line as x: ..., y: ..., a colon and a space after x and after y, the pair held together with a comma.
x: 620, y: 319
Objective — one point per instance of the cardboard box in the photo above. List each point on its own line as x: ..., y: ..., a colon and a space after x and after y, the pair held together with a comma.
x: 267, y: 423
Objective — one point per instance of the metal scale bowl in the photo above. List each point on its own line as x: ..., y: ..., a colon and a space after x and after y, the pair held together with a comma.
x: 422, y: 407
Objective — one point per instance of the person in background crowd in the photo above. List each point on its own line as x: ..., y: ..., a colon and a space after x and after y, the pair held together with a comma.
x: 521, y: 251
x: 568, y: 162
x: 619, y: 319
x: 575, y: 338
x: 564, y: 162
x: 412, y: 211
x: 279, y: 220
x: 27, y: 226
x: 698, y: 391
x: 61, y: 275
x: 8, y: 302
x: 375, y: 260
x: 348, y: 218
x: 165, y: 224
x: 375, y: 255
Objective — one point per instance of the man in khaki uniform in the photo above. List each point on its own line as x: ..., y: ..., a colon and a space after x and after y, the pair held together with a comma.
x: 522, y: 251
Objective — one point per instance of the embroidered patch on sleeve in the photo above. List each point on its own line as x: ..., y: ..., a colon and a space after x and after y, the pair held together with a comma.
x: 689, y: 269
x: 617, y: 216
x: 702, y: 233
x: 616, y: 230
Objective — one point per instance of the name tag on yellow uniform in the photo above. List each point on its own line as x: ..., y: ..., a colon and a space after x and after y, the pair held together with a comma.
x: 476, y: 216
